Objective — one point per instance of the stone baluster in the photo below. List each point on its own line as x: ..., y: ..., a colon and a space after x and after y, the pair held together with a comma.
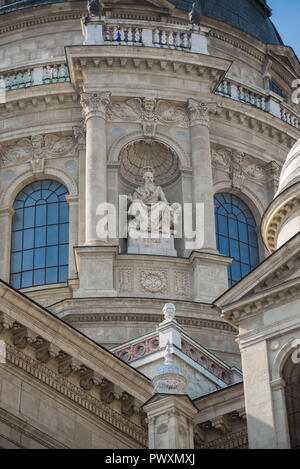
x: 122, y: 34
x: 186, y: 42
x: 137, y: 35
x: 202, y: 168
x: 130, y: 34
x: 164, y: 38
x: 115, y: 33
x: 156, y: 39
x: 177, y: 40
x: 94, y: 110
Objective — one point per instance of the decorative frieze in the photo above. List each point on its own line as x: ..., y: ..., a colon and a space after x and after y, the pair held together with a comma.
x: 149, y: 111
x: 36, y: 148
x: 94, y: 104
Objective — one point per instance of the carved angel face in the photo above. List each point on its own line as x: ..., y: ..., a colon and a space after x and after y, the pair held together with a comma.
x: 149, y: 105
x: 37, y: 141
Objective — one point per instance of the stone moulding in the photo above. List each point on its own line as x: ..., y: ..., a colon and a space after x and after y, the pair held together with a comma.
x: 204, y: 360
x: 86, y: 318
x: 280, y: 210
x: 74, y: 393
x: 261, y: 301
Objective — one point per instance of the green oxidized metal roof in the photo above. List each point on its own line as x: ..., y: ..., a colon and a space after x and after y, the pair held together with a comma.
x: 250, y: 16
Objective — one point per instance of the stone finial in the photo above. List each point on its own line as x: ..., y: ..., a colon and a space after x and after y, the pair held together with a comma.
x: 168, y: 379
x: 169, y: 311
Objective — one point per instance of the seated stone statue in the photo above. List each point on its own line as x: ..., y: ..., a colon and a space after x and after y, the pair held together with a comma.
x: 149, y: 210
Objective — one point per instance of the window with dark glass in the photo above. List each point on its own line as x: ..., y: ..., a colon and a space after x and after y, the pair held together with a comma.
x: 236, y: 235
x: 273, y: 87
x: 40, y: 235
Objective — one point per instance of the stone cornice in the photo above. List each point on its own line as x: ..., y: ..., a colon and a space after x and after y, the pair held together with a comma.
x: 58, y: 340
x: 261, y: 301
x: 74, y: 318
x: 144, y: 60
x: 15, y: 25
x: 242, y: 115
x: 81, y: 397
x: 274, y: 268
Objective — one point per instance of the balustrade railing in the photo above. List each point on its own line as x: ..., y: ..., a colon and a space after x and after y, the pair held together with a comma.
x: 56, y: 73
x: 260, y: 100
x: 33, y: 76
x: 171, y: 39
x: 59, y: 73
x: 224, y: 88
x: 19, y: 79
x: 289, y: 117
x: 251, y: 97
x: 123, y: 34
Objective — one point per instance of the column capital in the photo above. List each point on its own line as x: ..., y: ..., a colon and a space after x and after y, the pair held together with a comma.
x: 199, y: 112
x: 94, y: 104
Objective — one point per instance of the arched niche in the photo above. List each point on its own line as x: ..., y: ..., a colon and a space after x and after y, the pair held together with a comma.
x: 165, y: 164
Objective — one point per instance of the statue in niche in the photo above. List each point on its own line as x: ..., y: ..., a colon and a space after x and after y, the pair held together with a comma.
x: 149, y: 210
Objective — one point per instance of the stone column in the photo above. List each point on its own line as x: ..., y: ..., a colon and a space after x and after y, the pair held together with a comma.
x: 80, y: 137
x: 202, y: 168
x: 6, y: 214
x: 258, y: 398
x: 94, y: 110
x: 73, y: 229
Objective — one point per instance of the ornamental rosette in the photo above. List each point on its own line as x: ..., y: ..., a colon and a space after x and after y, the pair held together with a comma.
x: 95, y: 104
x: 199, y: 112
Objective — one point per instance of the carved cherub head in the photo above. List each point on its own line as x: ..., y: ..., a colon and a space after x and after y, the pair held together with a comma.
x: 149, y: 104
x: 37, y: 141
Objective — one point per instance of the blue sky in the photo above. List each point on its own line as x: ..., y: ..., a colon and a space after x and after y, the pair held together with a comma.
x: 286, y: 17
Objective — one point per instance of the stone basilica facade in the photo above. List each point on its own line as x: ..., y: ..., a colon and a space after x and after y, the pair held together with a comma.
x: 108, y: 341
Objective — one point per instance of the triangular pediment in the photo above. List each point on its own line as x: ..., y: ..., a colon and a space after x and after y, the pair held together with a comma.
x: 285, y: 55
x: 280, y: 269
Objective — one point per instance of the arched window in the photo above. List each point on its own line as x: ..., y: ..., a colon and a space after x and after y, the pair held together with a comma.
x: 40, y: 235
x: 236, y: 235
